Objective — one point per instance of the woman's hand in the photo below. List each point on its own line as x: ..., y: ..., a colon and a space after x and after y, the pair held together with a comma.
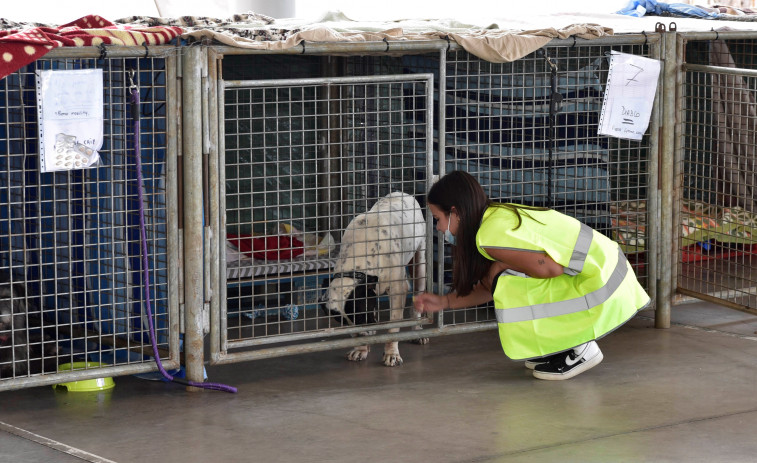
x: 429, y: 302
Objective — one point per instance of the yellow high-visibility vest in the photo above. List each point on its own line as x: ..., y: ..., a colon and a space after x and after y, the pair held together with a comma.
x: 597, y: 292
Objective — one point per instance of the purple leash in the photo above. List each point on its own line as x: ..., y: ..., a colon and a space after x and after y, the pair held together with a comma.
x: 143, y: 240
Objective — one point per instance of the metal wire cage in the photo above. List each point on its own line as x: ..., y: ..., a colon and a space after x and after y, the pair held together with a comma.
x: 69, y: 240
x: 717, y: 208
x: 302, y: 159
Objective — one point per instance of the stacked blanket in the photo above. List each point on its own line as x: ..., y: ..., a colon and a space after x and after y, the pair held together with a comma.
x: 701, y: 224
x: 23, y: 44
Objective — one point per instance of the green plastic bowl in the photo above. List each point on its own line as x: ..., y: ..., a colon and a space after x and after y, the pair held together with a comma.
x: 87, y: 385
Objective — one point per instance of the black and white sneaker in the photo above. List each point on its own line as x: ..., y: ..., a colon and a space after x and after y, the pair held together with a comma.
x: 570, y: 363
x: 532, y: 363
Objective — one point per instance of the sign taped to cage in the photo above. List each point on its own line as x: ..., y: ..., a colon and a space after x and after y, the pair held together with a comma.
x: 70, y: 115
x: 629, y: 96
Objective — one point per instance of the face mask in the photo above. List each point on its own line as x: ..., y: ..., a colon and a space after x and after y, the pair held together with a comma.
x: 448, y: 236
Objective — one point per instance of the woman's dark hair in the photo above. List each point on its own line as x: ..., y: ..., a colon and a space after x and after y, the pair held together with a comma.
x: 462, y: 191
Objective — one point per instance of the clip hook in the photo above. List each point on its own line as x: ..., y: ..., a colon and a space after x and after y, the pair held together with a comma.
x: 132, y: 85
x: 551, y: 63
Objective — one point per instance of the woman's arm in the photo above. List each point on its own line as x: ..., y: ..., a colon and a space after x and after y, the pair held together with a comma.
x: 429, y: 302
x: 533, y: 264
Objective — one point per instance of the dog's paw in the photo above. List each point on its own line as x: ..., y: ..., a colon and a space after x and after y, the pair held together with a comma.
x: 358, y: 354
x: 420, y: 341
x: 392, y: 360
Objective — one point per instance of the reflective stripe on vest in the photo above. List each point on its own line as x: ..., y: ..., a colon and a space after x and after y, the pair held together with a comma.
x: 580, y: 250
x: 579, y: 304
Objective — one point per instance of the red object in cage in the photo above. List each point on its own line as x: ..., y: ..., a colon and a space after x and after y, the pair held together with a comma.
x: 267, y: 247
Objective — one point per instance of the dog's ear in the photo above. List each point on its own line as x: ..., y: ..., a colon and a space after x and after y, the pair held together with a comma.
x: 362, y: 305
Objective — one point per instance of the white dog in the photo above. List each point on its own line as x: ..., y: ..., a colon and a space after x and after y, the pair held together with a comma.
x: 375, y: 251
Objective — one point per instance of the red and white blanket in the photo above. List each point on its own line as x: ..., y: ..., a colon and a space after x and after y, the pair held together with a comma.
x: 21, y: 46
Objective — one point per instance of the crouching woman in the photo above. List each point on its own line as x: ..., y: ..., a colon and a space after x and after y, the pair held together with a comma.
x: 557, y: 284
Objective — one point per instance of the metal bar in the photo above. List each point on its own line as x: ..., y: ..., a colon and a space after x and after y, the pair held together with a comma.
x: 330, y: 48
x: 352, y: 342
x: 179, y: 71
x: 421, y: 46
x: 216, y: 246
x: 193, y: 208
x: 608, y: 40
x: 720, y: 70
x: 653, y: 195
x: 80, y: 375
x: 429, y: 177
x: 325, y: 333
x: 664, y: 288
x: 114, y: 51
x: 677, y: 167
x: 719, y: 299
x: 220, y: 344
x: 208, y: 130
x: 722, y: 35
x: 440, y: 169
x: 324, y: 80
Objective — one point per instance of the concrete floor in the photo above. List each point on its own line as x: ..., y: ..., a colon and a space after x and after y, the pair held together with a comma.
x: 682, y: 394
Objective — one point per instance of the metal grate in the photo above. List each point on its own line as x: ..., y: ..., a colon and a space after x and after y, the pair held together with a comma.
x: 69, y: 241
x: 495, y: 124
x: 718, y: 211
x: 303, y: 158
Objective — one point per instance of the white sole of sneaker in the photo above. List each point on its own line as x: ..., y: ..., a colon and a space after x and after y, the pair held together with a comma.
x: 596, y: 360
x: 531, y: 365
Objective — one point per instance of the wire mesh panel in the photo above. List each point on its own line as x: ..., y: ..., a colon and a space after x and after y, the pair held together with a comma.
x: 70, y: 240
x: 718, y: 208
x: 527, y: 130
x: 323, y: 234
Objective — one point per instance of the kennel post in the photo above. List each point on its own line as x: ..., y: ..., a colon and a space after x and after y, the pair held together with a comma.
x: 667, y: 146
x: 193, y: 209
x: 653, y: 202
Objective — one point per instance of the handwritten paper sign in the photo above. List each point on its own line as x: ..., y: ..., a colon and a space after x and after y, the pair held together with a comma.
x: 629, y: 95
x: 70, y: 111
